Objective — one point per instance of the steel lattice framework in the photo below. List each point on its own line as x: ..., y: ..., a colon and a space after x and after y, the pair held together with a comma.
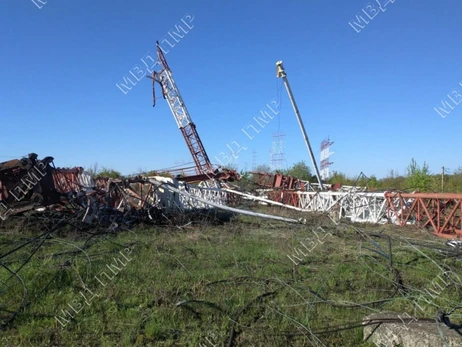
x: 353, y: 205
x: 171, y: 93
x: 440, y: 211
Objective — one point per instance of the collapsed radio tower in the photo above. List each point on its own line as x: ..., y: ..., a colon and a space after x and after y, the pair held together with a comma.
x: 277, y: 152
x: 171, y: 93
x: 325, y: 154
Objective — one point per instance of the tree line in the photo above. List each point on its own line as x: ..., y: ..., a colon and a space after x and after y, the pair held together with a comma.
x: 416, y: 177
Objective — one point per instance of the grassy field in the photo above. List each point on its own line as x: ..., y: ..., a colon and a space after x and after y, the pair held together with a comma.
x: 212, y: 284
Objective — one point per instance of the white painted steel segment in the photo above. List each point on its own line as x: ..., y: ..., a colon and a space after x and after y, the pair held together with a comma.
x: 174, y: 99
x: 224, y: 207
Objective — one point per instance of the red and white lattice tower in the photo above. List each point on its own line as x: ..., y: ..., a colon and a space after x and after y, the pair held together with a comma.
x: 277, y: 152
x: 325, y: 155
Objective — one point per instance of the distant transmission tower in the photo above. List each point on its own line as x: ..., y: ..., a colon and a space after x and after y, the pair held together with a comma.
x: 325, y: 155
x: 254, y: 160
x: 277, y: 152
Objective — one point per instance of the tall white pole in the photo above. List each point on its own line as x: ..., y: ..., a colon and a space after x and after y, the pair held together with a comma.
x: 282, y: 74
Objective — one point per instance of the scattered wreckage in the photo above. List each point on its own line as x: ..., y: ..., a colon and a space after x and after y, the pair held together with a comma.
x: 30, y: 185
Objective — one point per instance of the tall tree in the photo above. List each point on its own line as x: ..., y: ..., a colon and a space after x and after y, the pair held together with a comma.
x: 339, y: 177
x: 300, y: 170
x: 418, y: 177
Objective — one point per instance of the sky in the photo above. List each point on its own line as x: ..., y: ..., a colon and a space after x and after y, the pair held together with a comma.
x: 384, y: 86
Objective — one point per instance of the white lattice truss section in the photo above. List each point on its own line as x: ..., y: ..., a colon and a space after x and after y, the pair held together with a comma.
x: 168, y: 198
x: 215, y: 195
x: 357, y: 206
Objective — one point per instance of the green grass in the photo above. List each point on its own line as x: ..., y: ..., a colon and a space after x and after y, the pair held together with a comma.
x: 186, y: 287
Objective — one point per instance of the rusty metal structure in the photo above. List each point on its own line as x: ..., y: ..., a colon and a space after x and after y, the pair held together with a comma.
x: 33, y: 185
x: 278, y: 181
x: 440, y: 211
x: 26, y: 183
